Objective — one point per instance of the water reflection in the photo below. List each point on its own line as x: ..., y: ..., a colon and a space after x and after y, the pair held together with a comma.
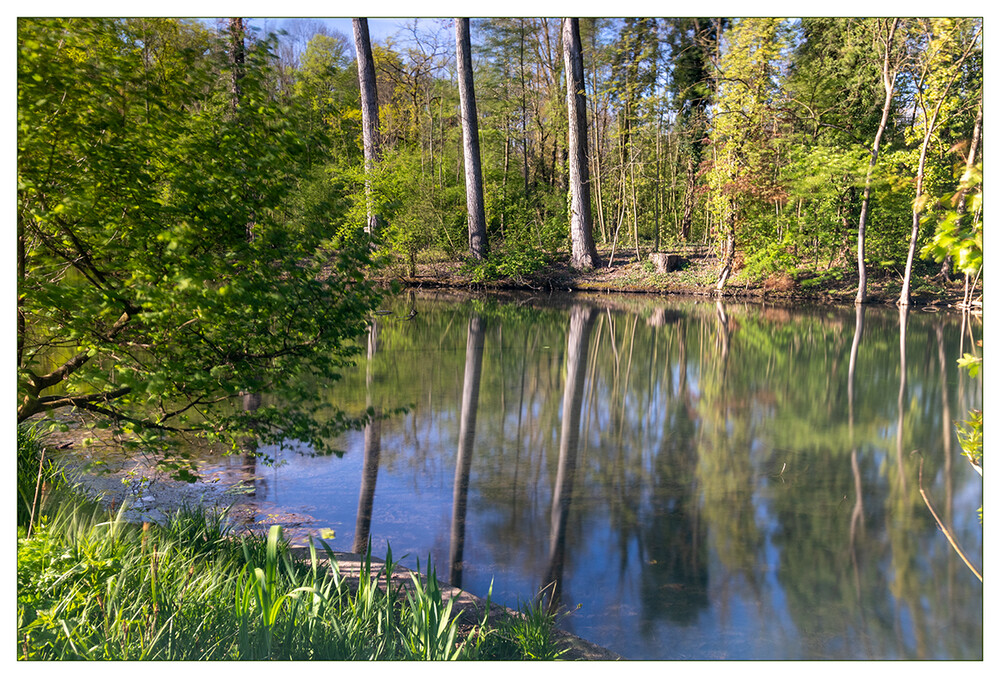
x: 857, y: 512
x: 373, y: 450
x: 466, y: 439
x: 707, y: 480
x: 675, y: 579
x: 251, y: 403
x: 581, y: 322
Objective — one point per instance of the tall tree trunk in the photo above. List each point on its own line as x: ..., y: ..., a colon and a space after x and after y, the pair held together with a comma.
x: 369, y: 113
x: 503, y: 181
x: 658, y: 199
x: 524, y: 113
x: 478, y: 245
x: 689, y: 197
x: 730, y: 248
x: 237, y: 58
x: 904, y: 293
x: 596, y: 152
x: 635, y: 204
x: 584, y: 254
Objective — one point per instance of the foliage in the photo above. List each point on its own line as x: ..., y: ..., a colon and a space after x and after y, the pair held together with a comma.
x: 743, y: 162
x: 158, y: 280
x: 970, y: 435
x: 958, y: 234
x: 506, y: 262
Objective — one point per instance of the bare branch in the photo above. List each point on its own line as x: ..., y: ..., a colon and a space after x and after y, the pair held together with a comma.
x: 947, y: 532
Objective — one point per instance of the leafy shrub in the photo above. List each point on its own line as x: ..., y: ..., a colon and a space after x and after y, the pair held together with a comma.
x: 506, y: 262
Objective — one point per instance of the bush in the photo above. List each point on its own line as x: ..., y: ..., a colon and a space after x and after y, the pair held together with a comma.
x: 506, y: 262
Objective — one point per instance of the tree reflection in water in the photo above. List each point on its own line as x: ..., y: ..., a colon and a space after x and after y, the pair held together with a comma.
x: 466, y: 440
x: 705, y: 479
x: 581, y: 321
x: 373, y: 450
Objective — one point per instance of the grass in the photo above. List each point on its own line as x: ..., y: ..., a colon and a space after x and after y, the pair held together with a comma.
x: 34, y: 472
x: 92, y: 586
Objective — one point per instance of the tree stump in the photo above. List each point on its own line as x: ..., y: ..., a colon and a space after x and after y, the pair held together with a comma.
x: 665, y: 262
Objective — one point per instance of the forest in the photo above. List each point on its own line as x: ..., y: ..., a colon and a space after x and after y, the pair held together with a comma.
x: 203, y: 207
x: 216, y: 219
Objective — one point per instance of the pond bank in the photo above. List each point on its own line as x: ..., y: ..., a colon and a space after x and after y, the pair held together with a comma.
x: 472, y: 608
x: 695, y: 276
x: 149, y: 494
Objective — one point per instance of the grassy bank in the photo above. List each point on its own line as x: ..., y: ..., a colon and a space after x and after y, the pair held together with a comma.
x: 92, y: 586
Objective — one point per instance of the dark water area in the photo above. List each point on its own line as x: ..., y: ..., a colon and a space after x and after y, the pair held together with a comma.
x: 692, y: 479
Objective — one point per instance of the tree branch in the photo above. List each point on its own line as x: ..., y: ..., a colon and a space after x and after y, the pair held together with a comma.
x: 55, y: 401
x: 947, y: 532
x: 118, y: 416
x: 38, y: 384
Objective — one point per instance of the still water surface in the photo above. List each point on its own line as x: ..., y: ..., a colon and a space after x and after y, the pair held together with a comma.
x: 696, y: 480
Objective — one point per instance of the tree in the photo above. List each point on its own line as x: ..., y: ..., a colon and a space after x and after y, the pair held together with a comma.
x: 237, y: 59
x: 478, y: 244
x: 743, y: 166
x: 140, y: 300
x: 843, y: 73
x: 581, y: 227
x: 691, y: 40
x: 885, y: 38
x: 369, y: 109
x: 633, y: 77
x: 948, y: 43
x: 958, y: 234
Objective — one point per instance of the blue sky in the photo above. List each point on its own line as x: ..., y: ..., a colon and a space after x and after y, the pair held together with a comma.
x: 379, y: 29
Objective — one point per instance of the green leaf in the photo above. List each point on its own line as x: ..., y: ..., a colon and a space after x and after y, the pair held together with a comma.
x: 970, y: 363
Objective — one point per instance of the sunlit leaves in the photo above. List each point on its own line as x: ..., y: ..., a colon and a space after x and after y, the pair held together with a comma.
x: 970, y: 436
x: 958, y: 230
x: 742, y: 125
x: 137, y: 191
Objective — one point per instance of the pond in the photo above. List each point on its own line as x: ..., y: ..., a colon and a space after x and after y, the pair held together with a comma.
x: 690, y: 479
